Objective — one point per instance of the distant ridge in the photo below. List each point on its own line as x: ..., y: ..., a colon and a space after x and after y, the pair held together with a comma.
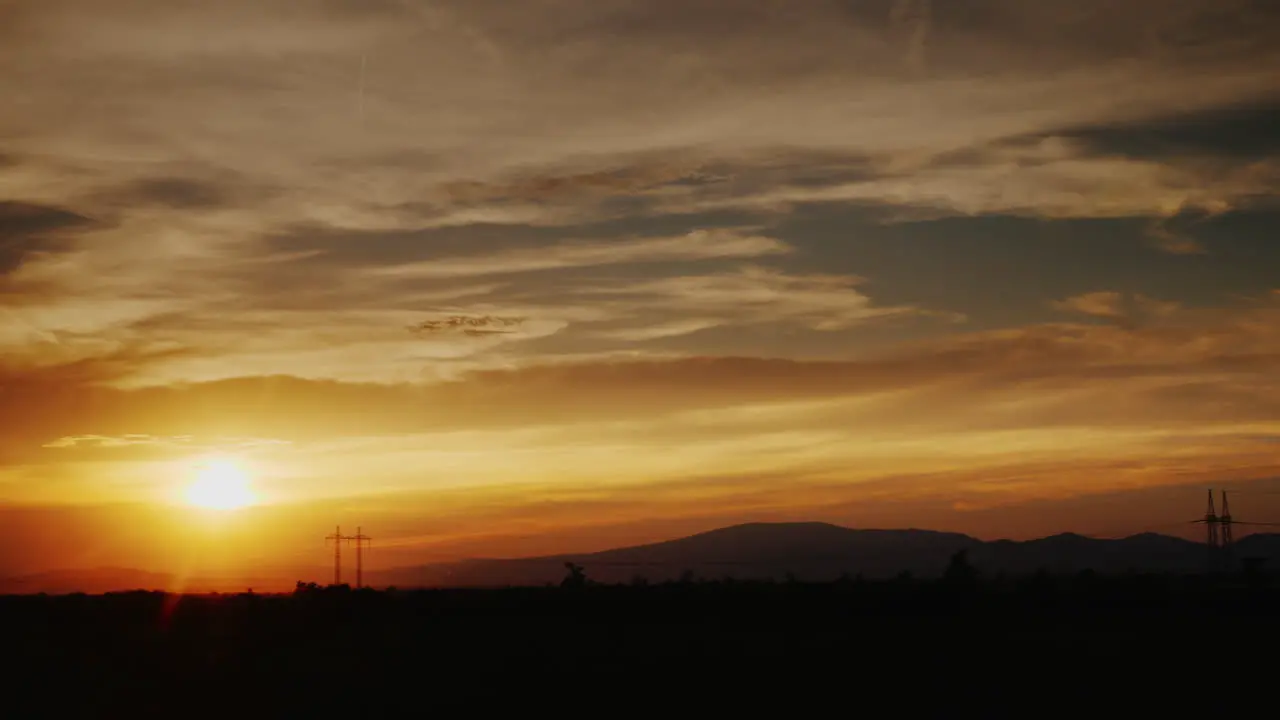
x: 821, y: 552
x: 811, y: 551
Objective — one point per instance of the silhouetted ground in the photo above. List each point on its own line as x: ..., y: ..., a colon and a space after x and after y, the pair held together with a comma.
x: 1029, y: 647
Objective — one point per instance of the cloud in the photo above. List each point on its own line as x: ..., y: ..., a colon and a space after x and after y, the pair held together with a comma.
x: 637, y: 174
x: 1178, y: 357
x: 1235, y: 132
x: 1120, y: 307
x: 660, y: 330
x: 476, y: 326
x: 697, y: 245
x: 201, y: 156
x: 472, y: 111
x: 1168, y: 241
x: 173, y: 192
x: 241, y: 309
x: 1052, y: 177
x: 181, y: 443
x: 28, y: 230
x: 23, y: 219
x: 756, y: 295
x: 1101, y: 304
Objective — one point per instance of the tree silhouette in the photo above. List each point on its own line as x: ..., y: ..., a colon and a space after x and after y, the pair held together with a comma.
x: 576, y: 578
x: 960, y: 570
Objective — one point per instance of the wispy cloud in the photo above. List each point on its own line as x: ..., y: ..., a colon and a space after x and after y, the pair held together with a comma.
x: 482, y: 325
x: 1176, y: 356
x: 432, y: 144
x: 753, y: 295
x: 1175, y: 244
x: 177, y: 442
x: 697, y: 245
x: 1121, y: 307
x: 1107, y: 304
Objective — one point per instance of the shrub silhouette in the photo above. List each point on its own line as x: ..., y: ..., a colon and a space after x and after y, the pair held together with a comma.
x: 305, y: 587
x: 576, y: 578
x: 960, y: 570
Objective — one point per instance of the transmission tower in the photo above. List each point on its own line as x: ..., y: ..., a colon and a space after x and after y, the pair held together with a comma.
x: 337, y: 537
x: 1211, y: 524
x: 1221, y: 534
x: 1227, y: 535
x: 361, y: 541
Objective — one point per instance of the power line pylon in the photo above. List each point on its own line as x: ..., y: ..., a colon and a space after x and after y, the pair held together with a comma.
x: 1227, y: 535
x: 1221, y: 534
x: 361, y: 541
x: 1211, y: 522
x: 337, y: 537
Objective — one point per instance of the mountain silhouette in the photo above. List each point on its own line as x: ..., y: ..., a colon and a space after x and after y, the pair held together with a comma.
x: 757, y: 551
x: 823, y: 552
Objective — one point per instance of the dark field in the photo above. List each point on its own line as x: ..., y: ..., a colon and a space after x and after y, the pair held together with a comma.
x: 991, y: 645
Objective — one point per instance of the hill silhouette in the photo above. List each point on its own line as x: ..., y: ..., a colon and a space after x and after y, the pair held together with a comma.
x: 822, y: 552
x: 807, y: 551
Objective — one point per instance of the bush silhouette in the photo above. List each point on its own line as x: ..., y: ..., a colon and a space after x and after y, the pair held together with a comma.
x: 576, y: 578
x: 960, y: 570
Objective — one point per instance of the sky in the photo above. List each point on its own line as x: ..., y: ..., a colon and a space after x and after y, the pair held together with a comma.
x: 500, y: 279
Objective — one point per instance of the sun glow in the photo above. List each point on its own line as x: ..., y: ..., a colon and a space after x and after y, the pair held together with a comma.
x: 220, y: 485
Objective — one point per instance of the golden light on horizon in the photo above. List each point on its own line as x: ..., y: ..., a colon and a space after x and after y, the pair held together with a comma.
x: 220, y: 484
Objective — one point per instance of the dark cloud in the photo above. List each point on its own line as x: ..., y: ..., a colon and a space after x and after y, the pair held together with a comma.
x: 26, y: 228
x: 789, y: 38
x: 1244, y: 132
x: 21, y: 219
x: 469, y: 325
x: 174, y: 192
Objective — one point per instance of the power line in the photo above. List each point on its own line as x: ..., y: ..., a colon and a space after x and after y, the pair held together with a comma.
x: 337, y: 537
x: 1220, y: 530
x: 362, y: 541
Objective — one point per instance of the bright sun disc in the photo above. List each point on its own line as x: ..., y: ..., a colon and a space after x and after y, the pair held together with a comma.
x: 220, y: 485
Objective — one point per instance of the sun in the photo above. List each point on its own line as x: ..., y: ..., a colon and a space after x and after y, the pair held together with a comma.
x: 220, y: 485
